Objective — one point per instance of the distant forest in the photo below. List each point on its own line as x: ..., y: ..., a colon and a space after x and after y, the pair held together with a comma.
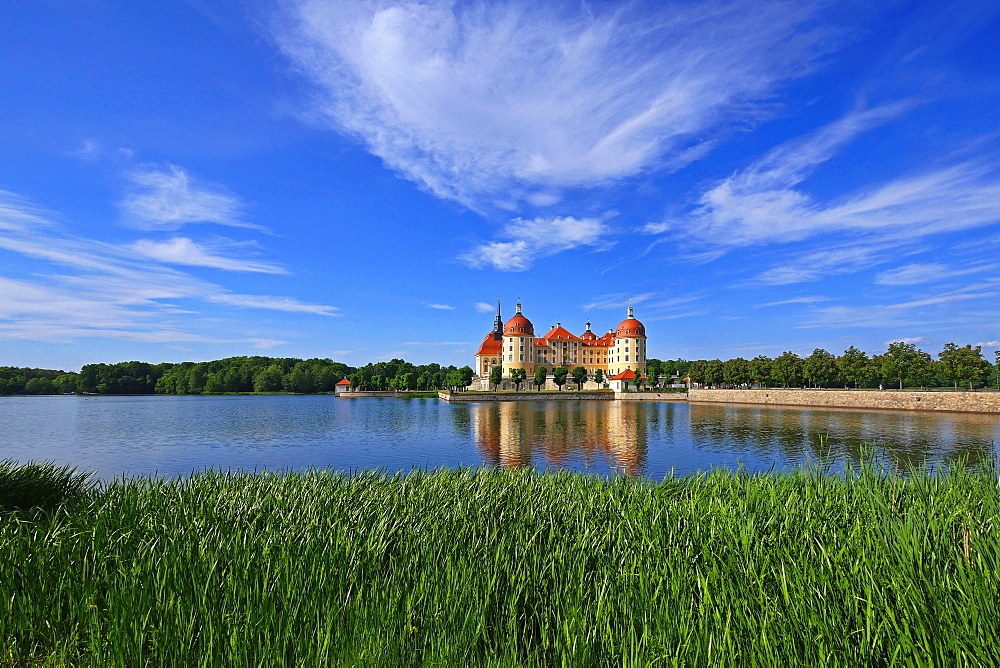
x: 230, y: 375
x: 902, y: 365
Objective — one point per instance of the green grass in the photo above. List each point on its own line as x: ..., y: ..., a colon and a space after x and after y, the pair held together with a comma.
x: 463, y: 567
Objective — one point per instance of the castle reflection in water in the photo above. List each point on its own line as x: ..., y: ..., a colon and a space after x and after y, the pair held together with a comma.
x: 593, y: 435
x: 643, y: 438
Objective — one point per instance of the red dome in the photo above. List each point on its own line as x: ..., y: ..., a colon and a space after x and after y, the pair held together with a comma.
x: 519, y: 326
x: 630, y: 326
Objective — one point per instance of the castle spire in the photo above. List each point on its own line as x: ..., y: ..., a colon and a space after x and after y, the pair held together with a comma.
x: 630, y: 315
x: 518, y: 306
x: 498, y: 323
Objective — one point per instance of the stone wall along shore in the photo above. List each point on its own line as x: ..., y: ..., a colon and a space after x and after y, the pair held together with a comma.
x: 651, y: 396
x: 525, y: 396
x: 982, y: 401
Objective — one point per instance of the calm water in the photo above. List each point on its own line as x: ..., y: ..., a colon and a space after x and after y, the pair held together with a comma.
x: 171, y: 435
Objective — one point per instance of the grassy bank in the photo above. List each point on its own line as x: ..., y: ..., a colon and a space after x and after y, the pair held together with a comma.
x: 501, y: 568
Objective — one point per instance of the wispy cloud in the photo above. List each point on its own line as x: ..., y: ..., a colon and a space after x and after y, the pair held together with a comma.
x: 528, y: 240
x: 815, y: 265
x: 266, y: 344
x: 169, y: 198
x: 763, y: 204
x: 440, y: 307
x: 483, y: 307
x: 82, y: 287
x: 617, y: 300
x: 927, y: 312
x: 798, y: 300
x: 270, y: 302
x: 913, y: 274
x: 502, y: 102
x: 184, y: 251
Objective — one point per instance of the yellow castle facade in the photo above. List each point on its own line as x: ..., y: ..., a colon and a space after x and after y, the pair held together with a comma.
x: 514, y: 345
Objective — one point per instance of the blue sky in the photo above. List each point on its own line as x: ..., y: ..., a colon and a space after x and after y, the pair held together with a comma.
x: 195, y: 180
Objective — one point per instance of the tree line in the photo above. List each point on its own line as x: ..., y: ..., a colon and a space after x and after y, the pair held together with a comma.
x: 233, y: 375
x: 902, y: 364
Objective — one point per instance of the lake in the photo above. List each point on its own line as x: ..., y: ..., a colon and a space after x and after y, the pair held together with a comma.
x: 175, y: 435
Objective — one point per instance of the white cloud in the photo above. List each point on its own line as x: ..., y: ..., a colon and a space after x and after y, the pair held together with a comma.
x: 763, y: 205
x: 501, y: 102
x: 910, y: 339
x: 169, y: 198
x: 912, y: 274
x: 265, y: 344
x: 946, y: 307
x: 270, y: 302
x: 618, y: 300
x: 182, y: 250
x: 483, y: 307
x: 100, y: 289
x: 88, y: 150
x: 441, y: 307
x: 815, y: 265
x: 538, y: 237
x: 798, y: 300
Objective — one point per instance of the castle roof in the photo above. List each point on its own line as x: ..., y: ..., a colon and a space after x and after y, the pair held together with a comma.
x: 560, y: 333
x: 491, y: 345
x: 630, y: 326
x: 343, y: 381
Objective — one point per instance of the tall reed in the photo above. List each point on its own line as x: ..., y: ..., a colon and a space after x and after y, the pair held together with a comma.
x: 487, y: 567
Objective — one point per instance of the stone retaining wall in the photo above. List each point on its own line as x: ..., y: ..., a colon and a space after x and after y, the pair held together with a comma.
x: 526, y: 396
x: 651, y: 396
x: 355, y: 395
x: 983, y: 401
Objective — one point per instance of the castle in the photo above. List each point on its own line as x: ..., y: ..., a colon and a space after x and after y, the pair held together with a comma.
x: 620, y: 354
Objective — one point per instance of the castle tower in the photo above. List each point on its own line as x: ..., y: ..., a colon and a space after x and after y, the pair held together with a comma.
x: 518, y: 350
x: 629, y: 351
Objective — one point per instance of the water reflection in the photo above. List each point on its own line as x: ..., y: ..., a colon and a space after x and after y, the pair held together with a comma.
x: 588, y: 435
x: 827, y: 436
x: 634, y: 438
x: 169, y: 435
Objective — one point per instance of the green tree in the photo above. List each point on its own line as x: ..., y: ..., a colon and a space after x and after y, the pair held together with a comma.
x: 736, y: 372
x: 579, y: 376
x: 713, y: 372
x: 559, y: 376
x: 898, y: 360
x: 38, y: 385
x: 638, y: 380
x: 496, y: 375
x: 996, y: 367
x: 696, y: 371
x: 215, y: 382
x: 787, y: 368
x: 760, y: 370
x: 654, y: 375
x: 465, y: 376
x: 599, y: 377
x: 541, y: 374
x: 268, y: 379
x: 965, y: 364
x: 854, y: 367
x: 517, y: 377
x: 923, y: 369
x: 65, y: 383
x: 820, y: 368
